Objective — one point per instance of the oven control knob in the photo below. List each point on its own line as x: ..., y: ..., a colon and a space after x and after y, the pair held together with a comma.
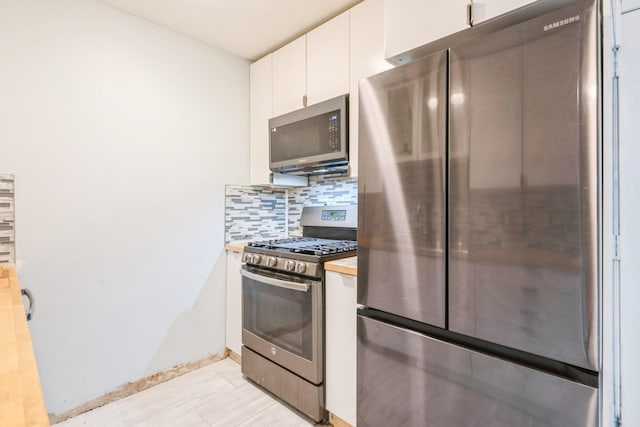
x: 271, y: 261
x: 301, y: 267
x: 289, y: 265
x: 246, y: 257
x: 256, y: 259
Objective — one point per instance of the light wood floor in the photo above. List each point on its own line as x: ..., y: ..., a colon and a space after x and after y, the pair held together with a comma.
x: 216, y: 395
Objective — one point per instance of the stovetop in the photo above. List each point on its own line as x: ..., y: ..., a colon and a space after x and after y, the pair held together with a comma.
x: 302, y: 256
x: 329, y: 233
x: 307, y: 246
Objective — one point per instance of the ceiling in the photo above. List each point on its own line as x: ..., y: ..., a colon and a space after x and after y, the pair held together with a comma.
x: 247, y: 28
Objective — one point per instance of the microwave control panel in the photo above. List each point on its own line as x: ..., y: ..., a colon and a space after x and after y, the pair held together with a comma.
x: 334, y: 131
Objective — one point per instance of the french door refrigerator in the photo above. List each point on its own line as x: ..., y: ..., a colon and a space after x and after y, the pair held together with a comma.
x: 478, y: 234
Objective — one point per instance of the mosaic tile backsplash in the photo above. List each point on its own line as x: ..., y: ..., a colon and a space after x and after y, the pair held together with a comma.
x: 320, y: 192
x: 254, y: 213
x: 259, y: 213
x: 7, y: 235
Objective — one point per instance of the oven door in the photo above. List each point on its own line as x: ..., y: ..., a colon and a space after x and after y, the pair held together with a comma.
x: 282, y: 320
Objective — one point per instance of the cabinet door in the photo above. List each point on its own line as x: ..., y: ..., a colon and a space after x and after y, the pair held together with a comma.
x: 328, y: 60
x: 487, y: 9
x: 411, y: 23
x: 234, y: 302
x: 260, y: 111
x: 289, y: 76
x: 341, y: 345
x: 366, y: 47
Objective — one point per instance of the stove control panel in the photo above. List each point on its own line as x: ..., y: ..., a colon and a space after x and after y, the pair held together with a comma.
x: 330, y: 216
x: 334, y: 215
x: 283, y: 264
x: 289, y: 265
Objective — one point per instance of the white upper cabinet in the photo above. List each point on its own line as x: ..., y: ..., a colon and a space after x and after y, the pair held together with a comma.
x: 328, y: 60
x: 366, y: 59
x: 312, y: 68
x: 325, y: 63
x: 486, y: 9
x: 411, y: 23
x: 260, y: 81
x: 289, y: 77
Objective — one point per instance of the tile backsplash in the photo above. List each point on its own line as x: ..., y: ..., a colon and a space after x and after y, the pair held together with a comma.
x: 254, y: 213
x: 320, y: 192
x: 259, y: 213
x: 7, y: 221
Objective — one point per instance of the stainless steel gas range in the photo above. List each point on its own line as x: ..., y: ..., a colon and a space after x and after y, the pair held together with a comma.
x: 283, y: 306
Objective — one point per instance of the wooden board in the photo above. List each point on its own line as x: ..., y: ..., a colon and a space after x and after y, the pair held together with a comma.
x: 235, y: 247
x: 21, y: 401
x: 345, y: 266
x: 336, y: 421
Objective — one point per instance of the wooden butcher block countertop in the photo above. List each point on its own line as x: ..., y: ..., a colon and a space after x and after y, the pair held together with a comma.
x: 235, y: 247
x: 345, y: 265
x: 21, y: 401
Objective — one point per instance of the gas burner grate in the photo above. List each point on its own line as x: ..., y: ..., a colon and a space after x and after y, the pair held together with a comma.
x: 307, y: 245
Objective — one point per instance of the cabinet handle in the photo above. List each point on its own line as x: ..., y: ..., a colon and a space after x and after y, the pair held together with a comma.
x: 29, y: 311
x: 470, y: 14
x: 304, y: 100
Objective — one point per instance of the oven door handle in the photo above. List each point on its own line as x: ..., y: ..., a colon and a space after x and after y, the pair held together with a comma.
x: 302, y: 287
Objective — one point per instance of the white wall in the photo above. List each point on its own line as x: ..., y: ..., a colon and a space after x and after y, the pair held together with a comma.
x: 121, y: 135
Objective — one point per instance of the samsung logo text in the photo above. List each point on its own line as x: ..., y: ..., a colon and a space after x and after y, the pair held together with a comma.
x: 562, y: 22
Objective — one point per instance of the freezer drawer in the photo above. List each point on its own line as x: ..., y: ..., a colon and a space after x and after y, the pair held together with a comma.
x: 409, y: 379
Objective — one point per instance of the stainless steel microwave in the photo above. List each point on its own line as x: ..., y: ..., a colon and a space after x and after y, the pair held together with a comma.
x: 311, y: 141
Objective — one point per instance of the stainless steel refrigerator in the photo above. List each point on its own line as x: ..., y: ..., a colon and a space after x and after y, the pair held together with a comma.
x: 478, y: 234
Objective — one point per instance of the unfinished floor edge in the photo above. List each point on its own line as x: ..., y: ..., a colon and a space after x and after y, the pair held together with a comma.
x: 131, y: 388
x: 336, y: 421
x: 232, y: 355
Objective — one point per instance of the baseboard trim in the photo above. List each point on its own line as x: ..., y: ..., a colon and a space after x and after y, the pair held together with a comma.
x: 336, y: 421
x: 136, y: 386
x: 232, y: 355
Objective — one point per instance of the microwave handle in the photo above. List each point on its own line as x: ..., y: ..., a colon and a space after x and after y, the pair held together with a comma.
x: 302, y: 287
